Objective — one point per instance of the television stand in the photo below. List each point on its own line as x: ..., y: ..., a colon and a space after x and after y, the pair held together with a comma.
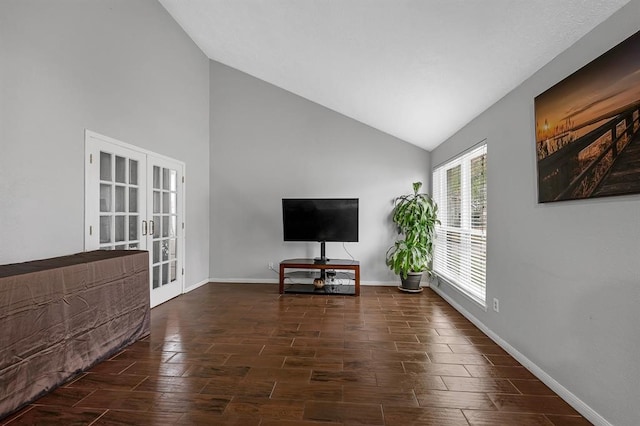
x: 308, y: 268
x: 322, y: 260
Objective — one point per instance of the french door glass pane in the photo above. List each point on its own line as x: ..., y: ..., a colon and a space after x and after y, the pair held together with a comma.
x: 156, y: 227
x: 119, y: 230
x: 173, y: 226
x: 165, y: 250
x: 105, y: 197
x: 166, y: 200
x: 133, y: 200
x: 105, y: 166
x: 156, y: 177
x: 133, y: 172
x: 165, y: 179
x: 173, y: 271
x: 165, y: 273
x: 173, y: 203
x: 173, y: 186
x: 156, y: 202
x: 156, y: 277
x: 165, y: 226
x: 121, y: 170
x: 120, y: 203
x: 105, y: 229
x: 133, y: 228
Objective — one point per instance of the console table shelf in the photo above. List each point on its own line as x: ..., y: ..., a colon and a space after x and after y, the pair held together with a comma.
x: 309, y: 269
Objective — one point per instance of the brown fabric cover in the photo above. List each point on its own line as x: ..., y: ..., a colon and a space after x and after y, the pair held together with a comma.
x: 61, y: 316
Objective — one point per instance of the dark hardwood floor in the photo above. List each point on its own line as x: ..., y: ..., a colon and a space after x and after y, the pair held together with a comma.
x: 241, y: 354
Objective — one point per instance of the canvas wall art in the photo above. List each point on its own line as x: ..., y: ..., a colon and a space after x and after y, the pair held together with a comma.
x: 587, y: 139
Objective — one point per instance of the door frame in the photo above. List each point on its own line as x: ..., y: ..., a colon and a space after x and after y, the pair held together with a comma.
x: 88, y: 222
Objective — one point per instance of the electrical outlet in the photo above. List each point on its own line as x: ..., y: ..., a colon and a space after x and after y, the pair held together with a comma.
x: 496, y: 304
x: 271, y: 265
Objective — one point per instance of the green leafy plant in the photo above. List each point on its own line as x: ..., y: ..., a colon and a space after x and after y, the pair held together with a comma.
x: 415, y: 215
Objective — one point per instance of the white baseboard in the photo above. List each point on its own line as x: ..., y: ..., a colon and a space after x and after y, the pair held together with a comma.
x: 196, y: 285
x: 244, y: 280
x: 380, y: 283
x: 580, y: 406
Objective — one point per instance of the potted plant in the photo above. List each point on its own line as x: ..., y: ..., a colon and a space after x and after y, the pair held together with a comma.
x: 415, y: 216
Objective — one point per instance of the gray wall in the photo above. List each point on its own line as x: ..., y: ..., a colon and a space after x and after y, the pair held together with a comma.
x: 121, y: 68
x: 266, y: 144
x: 566, y: 273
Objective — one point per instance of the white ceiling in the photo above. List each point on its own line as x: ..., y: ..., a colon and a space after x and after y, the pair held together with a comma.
x: 418, y: 70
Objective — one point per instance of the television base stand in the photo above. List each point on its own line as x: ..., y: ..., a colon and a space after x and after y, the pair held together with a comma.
x: 340, y: 290
x: 309, y: 269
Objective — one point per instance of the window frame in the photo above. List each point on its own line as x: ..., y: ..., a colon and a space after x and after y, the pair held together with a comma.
x: 460, y: 254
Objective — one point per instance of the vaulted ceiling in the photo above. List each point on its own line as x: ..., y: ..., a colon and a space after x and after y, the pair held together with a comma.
x: 416, y: 69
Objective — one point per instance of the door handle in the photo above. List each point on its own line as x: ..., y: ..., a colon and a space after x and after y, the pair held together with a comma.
x: 144, y: 227
x: 152, y: 228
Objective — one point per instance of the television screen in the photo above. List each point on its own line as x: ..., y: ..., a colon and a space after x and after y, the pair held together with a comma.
x: 320, y: 219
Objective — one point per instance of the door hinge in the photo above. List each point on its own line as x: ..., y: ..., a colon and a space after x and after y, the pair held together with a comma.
x: 182, y: 179
x: 182, y: 271
x: 90, y: 158
x: 90, y: 230
x: 182, y: 225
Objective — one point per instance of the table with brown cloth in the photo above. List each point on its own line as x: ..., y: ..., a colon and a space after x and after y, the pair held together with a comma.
x: 60, y: 316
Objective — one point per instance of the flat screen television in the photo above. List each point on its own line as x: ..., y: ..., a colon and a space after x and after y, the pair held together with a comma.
x: 320, y: 219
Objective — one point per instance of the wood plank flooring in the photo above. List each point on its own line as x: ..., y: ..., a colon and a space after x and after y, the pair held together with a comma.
x: 241, y: 354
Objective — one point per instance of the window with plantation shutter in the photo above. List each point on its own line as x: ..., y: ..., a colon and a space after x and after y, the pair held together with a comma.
x: 460, y: 190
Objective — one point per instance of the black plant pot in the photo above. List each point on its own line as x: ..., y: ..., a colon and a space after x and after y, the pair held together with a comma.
x: 412, y: 282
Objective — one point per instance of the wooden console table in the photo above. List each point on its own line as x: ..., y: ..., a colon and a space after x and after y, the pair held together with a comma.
x: 309, y: 265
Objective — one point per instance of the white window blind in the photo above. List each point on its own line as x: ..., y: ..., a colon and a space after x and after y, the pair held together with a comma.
x: 460, y: 189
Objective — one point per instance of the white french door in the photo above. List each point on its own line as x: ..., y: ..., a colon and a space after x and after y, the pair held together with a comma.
x: 165, y: 179
x: 134, y: 200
